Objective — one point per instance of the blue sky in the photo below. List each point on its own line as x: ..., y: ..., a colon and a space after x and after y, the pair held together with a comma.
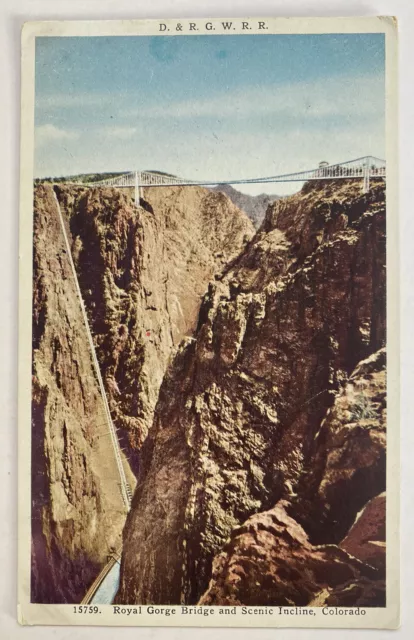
x: 208, y: 107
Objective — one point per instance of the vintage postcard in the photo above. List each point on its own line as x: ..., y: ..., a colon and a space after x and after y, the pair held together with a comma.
x: 208, y: 400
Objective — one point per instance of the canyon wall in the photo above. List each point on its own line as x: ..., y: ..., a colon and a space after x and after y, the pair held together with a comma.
x: 254, y: 206
x: 142, y: 272
x: 268, y: 437
x: 77, y: 507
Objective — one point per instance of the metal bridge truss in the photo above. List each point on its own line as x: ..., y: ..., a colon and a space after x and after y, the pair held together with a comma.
x: 364, y: 168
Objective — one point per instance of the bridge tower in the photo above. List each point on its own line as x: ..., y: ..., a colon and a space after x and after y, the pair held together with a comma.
x: 137, y: 186
x: 365, y: 187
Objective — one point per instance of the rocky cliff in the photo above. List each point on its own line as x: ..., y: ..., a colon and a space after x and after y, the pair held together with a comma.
x: 254, y: 206
x: 268, y: 438
x: 270, y: 559
x: 77, y: 508
x: 142, y: 273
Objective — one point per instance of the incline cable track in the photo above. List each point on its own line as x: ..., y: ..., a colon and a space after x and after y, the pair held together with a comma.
x: 99, y: 580
x: 125, y: 488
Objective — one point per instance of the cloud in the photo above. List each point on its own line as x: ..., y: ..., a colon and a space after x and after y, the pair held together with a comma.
x: 121, y: 133
x: 255, y: 132
x: 50, y: 133
x: 339, y: 97
x: 72, y: 100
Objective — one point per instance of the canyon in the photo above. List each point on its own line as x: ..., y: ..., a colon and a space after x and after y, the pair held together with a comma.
x: 142, y: 273
x: 269, y: 433
x: 246, y: 375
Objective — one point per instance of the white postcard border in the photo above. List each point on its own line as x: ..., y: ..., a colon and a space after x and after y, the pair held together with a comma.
x: 28, y: 613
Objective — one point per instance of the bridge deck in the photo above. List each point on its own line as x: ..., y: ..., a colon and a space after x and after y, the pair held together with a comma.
x: 367, y: 166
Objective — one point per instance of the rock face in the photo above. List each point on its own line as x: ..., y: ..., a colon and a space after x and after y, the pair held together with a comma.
x: 77, y: 508
x: 347, y: 468
x: 269, y: 561
x: 142, y: 273
x: 280, y: 391
x: 366, y: 539
x: 254, y: 206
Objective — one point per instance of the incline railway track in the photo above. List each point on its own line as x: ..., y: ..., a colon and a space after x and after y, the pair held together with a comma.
x: 125, y: 488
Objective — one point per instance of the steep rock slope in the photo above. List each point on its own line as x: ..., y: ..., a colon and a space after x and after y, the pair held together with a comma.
x: 347, y: 465
x: 143, y: 273
x: 254, y: 206
x: 270, y: 558
x: 77, y: 508
x: 279, y: 334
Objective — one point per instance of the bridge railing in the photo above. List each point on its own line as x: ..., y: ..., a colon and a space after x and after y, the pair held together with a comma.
x: 364, y: 168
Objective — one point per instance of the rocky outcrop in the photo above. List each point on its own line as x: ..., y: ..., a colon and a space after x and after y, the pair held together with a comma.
x: 366, y: 538
x: 269, y: 561
x: 243, y: 420
x: 143, y: 273
x: 347, y: 468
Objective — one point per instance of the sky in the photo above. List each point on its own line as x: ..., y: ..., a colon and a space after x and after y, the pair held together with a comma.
x: 208, y: 107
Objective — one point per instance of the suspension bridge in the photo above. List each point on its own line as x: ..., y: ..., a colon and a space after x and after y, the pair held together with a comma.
x: 364, y: 168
